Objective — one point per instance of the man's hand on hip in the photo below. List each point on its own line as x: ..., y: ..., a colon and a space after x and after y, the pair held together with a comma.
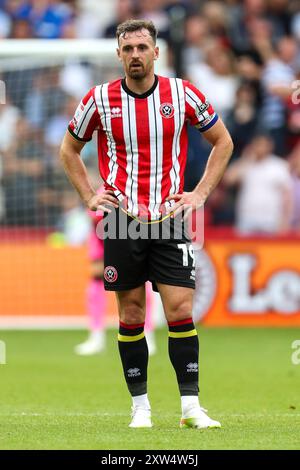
x: 186, y: 202
x: 98, y: 202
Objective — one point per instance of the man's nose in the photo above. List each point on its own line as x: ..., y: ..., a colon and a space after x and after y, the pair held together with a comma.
x: 135, y: 52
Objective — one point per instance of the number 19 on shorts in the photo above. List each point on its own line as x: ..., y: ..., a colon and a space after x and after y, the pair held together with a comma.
x: 187, y: 253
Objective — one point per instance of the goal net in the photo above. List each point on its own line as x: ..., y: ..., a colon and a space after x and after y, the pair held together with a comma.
x: 43, y: 225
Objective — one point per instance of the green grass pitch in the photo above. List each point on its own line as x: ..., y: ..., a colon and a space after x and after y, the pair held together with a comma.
x: 52, y: 399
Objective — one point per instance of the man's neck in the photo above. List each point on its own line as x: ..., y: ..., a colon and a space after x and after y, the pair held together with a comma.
x: 140, y: 86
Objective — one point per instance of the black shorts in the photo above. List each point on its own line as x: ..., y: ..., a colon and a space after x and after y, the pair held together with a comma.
x: 135, y: 253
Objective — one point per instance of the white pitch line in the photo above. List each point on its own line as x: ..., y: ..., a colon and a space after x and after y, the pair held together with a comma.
x: 66, y: 414
x: 168, y: 415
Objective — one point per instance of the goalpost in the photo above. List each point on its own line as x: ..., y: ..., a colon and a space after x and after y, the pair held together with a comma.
x: 43, y: 226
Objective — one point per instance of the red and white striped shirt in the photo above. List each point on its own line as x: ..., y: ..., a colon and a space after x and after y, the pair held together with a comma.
x: 142, y: 139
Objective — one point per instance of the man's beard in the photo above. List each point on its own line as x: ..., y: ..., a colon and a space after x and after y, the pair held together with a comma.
x: 137, y: 73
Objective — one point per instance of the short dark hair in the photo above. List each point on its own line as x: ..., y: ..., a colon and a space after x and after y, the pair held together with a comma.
x: 130, y: 26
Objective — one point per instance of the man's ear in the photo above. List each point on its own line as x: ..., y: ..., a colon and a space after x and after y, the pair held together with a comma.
x: 118, y: 53
x: 156, y: 53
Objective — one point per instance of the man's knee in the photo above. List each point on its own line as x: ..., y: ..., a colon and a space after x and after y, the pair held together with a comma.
x: 132, y: 306
x: 180, y: 310
x: 132, y: 314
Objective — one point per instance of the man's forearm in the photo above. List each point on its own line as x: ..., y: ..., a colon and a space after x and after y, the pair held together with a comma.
x: 77, y: 174
x: 215, y: 168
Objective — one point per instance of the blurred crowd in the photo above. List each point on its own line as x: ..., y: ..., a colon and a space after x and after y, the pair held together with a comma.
x: 243, y: 55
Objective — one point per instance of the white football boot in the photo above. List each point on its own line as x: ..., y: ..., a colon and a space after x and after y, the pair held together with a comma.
x: 140, y: 417
x: 196, y: 417
x: 95, y: 344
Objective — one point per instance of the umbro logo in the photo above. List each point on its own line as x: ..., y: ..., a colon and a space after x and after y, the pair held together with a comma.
x: 116, y: 112
x: 192, y: 367
x: 134, y: 372
x: 201, y: 111
x: 203, y: 107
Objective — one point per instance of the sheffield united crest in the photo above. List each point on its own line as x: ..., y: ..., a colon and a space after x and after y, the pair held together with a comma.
x: 166, y: 110
x: 110, y: 274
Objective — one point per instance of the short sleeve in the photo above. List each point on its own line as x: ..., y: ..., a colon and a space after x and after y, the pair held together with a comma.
x: 199, y: 112
x: 284, y: 177
x: 86, y: 118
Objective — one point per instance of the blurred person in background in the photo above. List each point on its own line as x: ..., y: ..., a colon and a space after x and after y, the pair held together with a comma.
x: 74, y: 222
x: 57, y: 124
x: 15, y: 8
x: 240, y: 18
x: 21, y: 29
x: 260, y: 39
x: 295, y: 26
x: 242, y: 125
x: 24, y: 172
x: 277, y: 78
x: 293, y: 116
x: 75, y: 76
x: 125, y: 9
x: 5, y: 143
x: 197, y: 38
x: 216, y: 14
x: 294, y: 162
x: 195, y: 165
x: 264, y: 202
x: 45, y: 98
x: 216, y: 74
x: 83, y: 23
x: 5, y: 24
x: 242, y: 119
x: 249, y: 71
x: 46, y: 17
x: 279, y: 13
x: 9, y: 118
x: 220, y: 208
x: 155, y: 11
